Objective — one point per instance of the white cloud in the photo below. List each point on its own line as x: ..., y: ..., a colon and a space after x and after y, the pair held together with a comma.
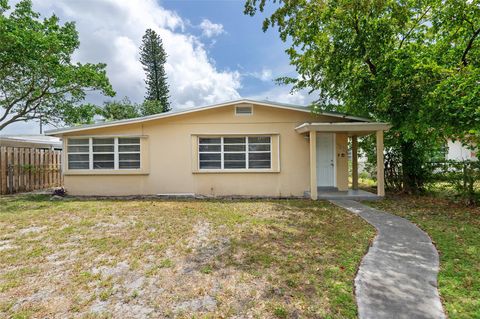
x: 282, y: 94
x: 210, y: 29
x: 265, y: 75
x: 111, y: 32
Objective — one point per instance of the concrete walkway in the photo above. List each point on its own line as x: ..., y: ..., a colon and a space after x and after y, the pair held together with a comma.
x: 397, y: 278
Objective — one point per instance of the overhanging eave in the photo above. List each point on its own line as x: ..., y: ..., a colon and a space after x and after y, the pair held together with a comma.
x: 352, y: 128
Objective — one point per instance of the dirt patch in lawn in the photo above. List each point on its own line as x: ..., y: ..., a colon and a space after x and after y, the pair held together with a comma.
x: 177, y: 259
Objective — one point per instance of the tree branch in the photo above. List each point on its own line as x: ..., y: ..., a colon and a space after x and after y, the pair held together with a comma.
x: 25, y: 109
x: 12, y: 104
x: 367, y: 60
x: 469, y: 46
x: 13, y: 120
x: 27, y: 93
x: 414, y: 26
x: 371, y: 66
x: 23, y: 115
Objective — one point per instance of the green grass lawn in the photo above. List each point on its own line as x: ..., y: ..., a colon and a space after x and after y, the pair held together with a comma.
x: 184, y: 259
x: 455, y: 231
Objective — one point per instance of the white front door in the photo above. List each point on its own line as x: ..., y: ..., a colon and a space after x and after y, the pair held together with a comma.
x: 325, y: 160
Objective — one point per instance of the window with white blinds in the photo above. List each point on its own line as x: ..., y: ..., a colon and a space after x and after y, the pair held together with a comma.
x: 235, y: 152
x: 78, y: 153
x: 103, y: 153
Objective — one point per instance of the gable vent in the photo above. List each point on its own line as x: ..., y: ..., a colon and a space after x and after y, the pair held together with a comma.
x: 243, y: 110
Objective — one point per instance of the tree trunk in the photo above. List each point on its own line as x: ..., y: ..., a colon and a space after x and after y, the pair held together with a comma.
x: 411, y: 167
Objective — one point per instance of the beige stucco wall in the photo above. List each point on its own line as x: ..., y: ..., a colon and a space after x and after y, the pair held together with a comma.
x: 169, y: 163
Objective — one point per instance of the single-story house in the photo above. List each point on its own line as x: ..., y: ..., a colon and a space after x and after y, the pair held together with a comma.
x: 238, y: 148
x: 456, y: 151
x: 31, y: 141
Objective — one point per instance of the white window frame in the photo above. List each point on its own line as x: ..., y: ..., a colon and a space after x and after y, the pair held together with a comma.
x: 247, y: 152
x: 115, y: 152
x: 89, y: 153
x: 210, y: 152
x: 258, y: 152
x: 118, y: 153
x: 100, y: 153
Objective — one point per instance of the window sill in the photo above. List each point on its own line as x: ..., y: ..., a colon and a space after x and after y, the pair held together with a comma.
x: 234, y: 171
x: 105, y: 172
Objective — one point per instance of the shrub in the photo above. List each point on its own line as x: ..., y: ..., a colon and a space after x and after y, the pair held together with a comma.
x: 462, y: 176
x: 60, y: 191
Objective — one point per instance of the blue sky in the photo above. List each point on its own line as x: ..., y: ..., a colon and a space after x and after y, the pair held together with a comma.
x: 243, y: 45
x: 215, y: 52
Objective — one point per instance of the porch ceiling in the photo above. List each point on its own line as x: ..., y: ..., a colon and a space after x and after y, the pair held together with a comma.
x: 351, y: 128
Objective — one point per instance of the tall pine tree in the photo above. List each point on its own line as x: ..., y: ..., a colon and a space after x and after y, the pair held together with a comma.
x: 153, y: 58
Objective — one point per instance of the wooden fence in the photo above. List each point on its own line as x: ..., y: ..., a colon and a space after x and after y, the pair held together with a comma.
x: 28, y: 169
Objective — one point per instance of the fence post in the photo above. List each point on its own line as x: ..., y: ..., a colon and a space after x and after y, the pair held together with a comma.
x: 10, y: 179
x: 3, y: 170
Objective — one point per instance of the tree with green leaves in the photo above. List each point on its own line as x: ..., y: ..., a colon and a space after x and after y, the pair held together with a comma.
x: 37, y: 76
x: 153, y: 58
x: 412, y: 63
x: 119, y: 110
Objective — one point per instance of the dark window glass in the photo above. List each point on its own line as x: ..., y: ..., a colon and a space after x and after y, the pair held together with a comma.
x: 102, y: 141
x: 103, y: 165
x: 210, y: 148
x: 259, y: 156
x: 129, y: 165
x: 234, y: 164
x: 129, y: 148
x: 234, y: 156
x: 234, y: 140
x: 103, y: 148
x: 210, y: 164
x: 234, y: 148
x: 103, y: 161
x: 129, y: 161
x: 210, y: 156
x: 259, y: 147
x: 78, y: 141
x: 78, y: 149
x: 210, y: 140
x: 129, y: 157
x: 259, y: 139
x: 128, y: 140
x: 78, y: 157
x: 103, y: 157
x: 259, y: 164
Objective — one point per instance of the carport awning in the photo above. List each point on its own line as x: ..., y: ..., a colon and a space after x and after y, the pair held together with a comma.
x: 351, y: 128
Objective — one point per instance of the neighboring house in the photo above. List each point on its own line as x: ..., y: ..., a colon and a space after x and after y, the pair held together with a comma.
x: 31, y: 141
x: 243, y: 148
x: 458, y: 152
x: 452, y: 150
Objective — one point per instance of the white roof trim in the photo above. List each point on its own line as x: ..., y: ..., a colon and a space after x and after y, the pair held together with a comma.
x: 57, y: 132
x: 343, y: 127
